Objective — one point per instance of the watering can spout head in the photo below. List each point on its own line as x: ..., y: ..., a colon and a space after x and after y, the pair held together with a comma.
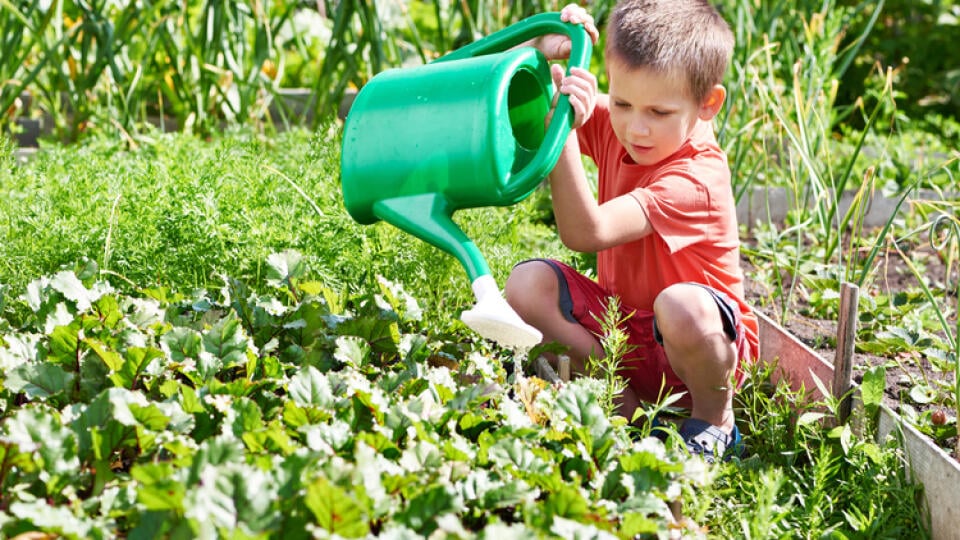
x: 494, y: 319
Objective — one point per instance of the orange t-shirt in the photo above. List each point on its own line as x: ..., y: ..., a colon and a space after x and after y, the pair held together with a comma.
x: 689, y: 202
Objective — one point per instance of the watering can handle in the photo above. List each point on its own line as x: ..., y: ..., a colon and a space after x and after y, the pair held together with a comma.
x: 523, y: 182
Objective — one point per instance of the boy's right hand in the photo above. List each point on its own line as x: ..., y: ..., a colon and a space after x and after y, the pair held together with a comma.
x: 557, y: 46
x: 580, y: 87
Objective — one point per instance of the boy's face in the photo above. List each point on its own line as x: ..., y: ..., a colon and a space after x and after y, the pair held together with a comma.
x: 651, y: 113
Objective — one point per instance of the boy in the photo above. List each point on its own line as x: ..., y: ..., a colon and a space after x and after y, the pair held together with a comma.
x: 664, y: 227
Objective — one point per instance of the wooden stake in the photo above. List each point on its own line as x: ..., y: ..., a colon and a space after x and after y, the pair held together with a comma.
x: 846, y: 339
x: 563, y: 366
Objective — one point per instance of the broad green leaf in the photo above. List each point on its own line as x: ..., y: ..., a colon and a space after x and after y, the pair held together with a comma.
x: 310, y: 387
x: 421, y: 512
x: 226, y: 341
x: 182, y: 343
x: 233, y: 496
x: 638, y: 525
x: 208, y: 366
x: 352, y: 351
x: 190, y: 402
x: 149, y: 416
x: 335, y: 510
x: 67, y: 284
x: 566, y: 502
x: 39, y: 431
x: 52, y: 519
x: 399, y: 300
x: 17, y: 459
x: 16, y: 350
x: 284, y: 266
x: 111, y: 358
x: 108, y: 311
x: 94, y: 377
x: 872, y: 386
x: 107, y: 423
x: 135, y: 362
x: 588, y: 420
x: 215, y: 452
x: 295, y: 416
x: 272, y: 439
x: 422, y: 457
x: 64, y: 341
x: 509, y: 494
x: 38, y: 381
x: 110, y: 438
x: 515, y: 453
x: 377, y: 326
x: 923, y: 393
x: 246, y: 416
x: 158, y: 486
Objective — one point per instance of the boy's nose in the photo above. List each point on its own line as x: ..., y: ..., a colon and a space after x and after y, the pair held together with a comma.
x: 639, y: 128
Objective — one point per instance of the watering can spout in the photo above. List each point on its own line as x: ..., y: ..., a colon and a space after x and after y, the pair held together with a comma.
x: 428, y: 217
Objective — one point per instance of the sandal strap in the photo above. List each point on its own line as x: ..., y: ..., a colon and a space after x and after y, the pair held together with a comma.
x: 708, y: 440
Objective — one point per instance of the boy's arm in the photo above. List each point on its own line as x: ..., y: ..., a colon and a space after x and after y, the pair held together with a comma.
x: 583, y: 224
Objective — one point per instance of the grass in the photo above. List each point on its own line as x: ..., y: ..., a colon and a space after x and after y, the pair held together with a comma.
x: 180, y: 213
x: 804, y: 478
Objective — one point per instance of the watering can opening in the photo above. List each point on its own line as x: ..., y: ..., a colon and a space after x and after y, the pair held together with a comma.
x: 528, y: 103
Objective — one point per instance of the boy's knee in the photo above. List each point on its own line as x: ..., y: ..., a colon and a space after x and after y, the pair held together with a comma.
x: 528, y: 282
x: 685, y: 308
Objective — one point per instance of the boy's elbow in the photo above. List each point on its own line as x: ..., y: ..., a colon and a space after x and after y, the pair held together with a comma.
x: 583, y: 241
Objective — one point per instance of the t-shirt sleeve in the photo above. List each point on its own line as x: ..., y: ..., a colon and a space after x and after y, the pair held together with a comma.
x: 677, y: 206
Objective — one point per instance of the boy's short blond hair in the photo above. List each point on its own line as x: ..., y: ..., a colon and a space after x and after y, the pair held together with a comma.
x: 686, y: 38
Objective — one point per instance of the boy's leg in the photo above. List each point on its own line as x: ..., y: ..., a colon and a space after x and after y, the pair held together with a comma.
x: 534, y: 290
x: 540, y: 292
x: 701, y: 351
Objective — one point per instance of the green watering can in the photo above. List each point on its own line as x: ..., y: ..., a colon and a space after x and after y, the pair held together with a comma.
x: 464, y: 131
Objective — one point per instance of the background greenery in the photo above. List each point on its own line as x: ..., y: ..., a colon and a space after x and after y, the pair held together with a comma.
x: 115, y: 66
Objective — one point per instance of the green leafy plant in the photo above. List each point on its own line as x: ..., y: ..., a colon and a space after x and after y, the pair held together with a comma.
x: 615, y: 348
x: 805, y: 474
x: 273, y: 415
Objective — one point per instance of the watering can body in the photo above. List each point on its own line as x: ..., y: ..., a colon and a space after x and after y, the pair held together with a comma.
x: 467, y: 130
x: 460, y: 129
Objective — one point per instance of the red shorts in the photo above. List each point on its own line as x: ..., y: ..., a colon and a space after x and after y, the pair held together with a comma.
x: 646, y: 367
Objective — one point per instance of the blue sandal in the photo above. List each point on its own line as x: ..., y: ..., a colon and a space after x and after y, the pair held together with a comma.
x: 709, y: 441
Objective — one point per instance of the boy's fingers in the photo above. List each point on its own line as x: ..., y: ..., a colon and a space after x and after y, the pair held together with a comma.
x: 575, y: 14
x: 556, y: 71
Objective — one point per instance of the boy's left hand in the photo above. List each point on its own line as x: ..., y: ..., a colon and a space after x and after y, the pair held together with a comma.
x: 557, y: 46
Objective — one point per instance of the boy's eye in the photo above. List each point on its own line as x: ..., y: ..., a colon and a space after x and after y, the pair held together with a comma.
x: 660, y: 112
x: 621, y: 104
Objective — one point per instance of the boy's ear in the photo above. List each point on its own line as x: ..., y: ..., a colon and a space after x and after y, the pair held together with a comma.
x: 712, y: 103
